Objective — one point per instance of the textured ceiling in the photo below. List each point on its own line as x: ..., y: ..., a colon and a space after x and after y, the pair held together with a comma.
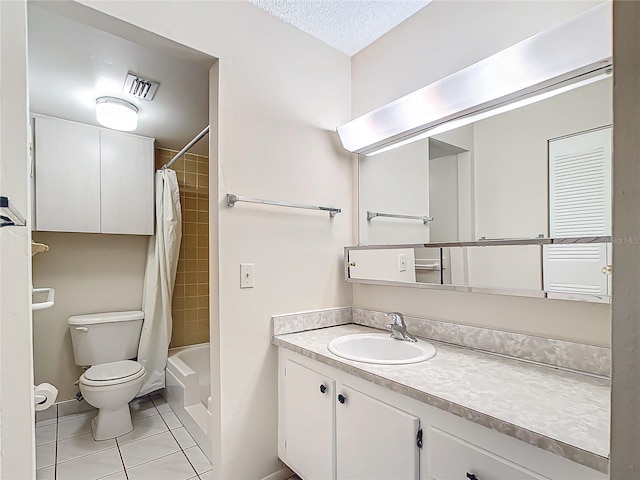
x: 347, y: 25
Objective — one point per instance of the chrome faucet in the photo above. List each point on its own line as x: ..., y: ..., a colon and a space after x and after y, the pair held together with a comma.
x: 398, y: 328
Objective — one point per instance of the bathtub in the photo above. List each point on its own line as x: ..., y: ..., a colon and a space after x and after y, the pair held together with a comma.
x: 188, y: 391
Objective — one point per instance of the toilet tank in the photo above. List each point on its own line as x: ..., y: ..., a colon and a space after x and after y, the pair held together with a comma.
x: 105, y: 337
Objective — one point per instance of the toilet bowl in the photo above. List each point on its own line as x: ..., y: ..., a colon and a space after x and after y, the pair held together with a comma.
x: 110, y: 387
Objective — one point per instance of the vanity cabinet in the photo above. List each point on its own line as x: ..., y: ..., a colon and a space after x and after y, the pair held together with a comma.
x: 92, y: 180
x: 329, y: 430
x: 354, y: 429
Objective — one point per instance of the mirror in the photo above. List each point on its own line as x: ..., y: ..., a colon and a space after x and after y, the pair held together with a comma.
x: 541, y: 170
x: 560, y: 271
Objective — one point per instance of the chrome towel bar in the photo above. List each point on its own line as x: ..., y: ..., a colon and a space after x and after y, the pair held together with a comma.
x: 424, y: 218
x: 232, y: 199
x: 9, y: 216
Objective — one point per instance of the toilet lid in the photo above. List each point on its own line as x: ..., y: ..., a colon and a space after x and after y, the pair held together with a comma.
x: 112, y: 371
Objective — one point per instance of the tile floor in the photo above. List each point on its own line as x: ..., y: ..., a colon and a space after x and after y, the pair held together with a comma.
x: 158, y: 448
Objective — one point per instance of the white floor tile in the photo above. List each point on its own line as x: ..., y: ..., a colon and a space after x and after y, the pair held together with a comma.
x: 91, y: 467
x: 73, y: 406
x: 75, y: 427
x: 48, y: 473
x: 171, y: 467
x: 116, y: 476
x: 161, y: 404
x: 80, y: 446
x: 198, y: 460
x: 47, y: 415
x: 171, y: 420
x: 207, y: 476
x: 148, y: 449
x: 142, y: 409
x: 45, y: 434
x: 44, y: 423
x: 74, y: 416
x: 45, y: 455
x: 144, y: 427
x: 183, y: 438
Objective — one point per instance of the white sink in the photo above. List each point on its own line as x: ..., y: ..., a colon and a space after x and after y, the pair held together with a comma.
x: 380, y: 348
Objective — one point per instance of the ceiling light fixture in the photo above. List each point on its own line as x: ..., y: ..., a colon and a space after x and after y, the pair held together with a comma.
x: 117, y: 114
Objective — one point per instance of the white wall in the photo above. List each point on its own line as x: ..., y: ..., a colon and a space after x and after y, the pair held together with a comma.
x: 282, y: 94
x: 17, y: 459
x: 421, y: 51
x: 91, y: 273
x: 395, y: 182
x: 625, y: 398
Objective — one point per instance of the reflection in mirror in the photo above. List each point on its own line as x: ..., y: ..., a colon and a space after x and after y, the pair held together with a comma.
x: 538, y: 170
x: 571, y: 272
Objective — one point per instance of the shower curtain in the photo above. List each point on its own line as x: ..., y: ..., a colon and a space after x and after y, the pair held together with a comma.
x: 159, y: 280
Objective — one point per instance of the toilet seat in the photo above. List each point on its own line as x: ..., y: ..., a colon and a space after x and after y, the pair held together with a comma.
x: 113, y: 373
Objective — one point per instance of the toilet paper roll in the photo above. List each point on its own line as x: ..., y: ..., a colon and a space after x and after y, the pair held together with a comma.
x: 44, y: 395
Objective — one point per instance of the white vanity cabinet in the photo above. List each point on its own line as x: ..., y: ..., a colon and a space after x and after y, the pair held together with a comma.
x: 92, y: 180
x: 356, y: 429
x: 329, y: 430
x: 374, y: 441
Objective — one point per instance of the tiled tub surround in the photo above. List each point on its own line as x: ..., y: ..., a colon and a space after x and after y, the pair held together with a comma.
x: 190, y: 305
x: 559, y: 411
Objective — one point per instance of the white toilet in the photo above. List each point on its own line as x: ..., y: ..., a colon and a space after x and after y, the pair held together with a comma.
x: 106, y: 342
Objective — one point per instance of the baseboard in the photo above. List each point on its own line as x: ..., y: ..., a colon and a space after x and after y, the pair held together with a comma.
x: 281, y: 474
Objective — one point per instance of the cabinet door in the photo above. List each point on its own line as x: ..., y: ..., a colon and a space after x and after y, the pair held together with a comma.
x: 452, y: 458
x: 67, y: 176
x: 374, y: 439
x: 126, y: 173
x: 309, y: 426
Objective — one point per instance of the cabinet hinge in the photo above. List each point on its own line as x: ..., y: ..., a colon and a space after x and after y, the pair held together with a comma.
x: 419, y: 438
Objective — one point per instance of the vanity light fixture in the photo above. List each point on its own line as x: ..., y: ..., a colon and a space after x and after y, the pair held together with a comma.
x: 117, y: 114
x: 469, y: 119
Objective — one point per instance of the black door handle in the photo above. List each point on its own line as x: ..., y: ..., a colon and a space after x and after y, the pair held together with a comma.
x: 323, y: 389
x: 342, y: 398
x: 471, y: 476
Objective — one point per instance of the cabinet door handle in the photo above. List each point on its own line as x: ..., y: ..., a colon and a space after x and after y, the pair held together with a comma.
x: 471, y: 476
x: 323, y: 389
x: 342, y: 398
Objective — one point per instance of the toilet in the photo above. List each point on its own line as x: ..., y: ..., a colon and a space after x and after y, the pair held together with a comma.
x: 107, y: 343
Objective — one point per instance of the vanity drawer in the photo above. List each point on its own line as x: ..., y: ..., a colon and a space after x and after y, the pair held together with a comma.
x: 451, y: 458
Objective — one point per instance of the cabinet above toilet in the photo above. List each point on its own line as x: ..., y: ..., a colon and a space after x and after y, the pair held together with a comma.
x: 91, y: 180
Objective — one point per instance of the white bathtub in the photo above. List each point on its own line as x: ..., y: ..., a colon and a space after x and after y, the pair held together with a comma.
x: 188, y: 390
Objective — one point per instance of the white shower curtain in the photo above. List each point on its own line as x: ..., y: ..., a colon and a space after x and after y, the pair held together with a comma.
x: 159, y: 279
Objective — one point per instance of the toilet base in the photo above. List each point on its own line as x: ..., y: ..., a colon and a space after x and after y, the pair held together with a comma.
x: 111, y: 423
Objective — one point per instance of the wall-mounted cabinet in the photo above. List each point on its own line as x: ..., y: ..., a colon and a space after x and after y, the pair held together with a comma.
x: 92, y: 180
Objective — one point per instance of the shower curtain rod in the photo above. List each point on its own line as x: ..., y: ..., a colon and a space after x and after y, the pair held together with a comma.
x: 187, y: 147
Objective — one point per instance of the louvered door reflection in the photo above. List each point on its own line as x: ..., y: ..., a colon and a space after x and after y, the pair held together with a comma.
x: 579, y: 205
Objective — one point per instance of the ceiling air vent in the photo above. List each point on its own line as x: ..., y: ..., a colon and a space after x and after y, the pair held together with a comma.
x: 139, y: 87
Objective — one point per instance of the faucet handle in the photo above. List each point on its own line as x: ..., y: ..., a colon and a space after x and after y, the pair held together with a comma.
x: 397, y: 318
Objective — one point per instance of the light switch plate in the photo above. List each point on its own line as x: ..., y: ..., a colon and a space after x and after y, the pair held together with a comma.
x: 402, y: 262
x: 247, y: 275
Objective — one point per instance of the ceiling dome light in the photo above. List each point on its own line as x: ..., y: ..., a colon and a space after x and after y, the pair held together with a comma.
x: 117, y: 114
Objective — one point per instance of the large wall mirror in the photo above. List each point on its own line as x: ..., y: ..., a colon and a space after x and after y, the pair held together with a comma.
x: 533, y: 167
x: 540, y: 170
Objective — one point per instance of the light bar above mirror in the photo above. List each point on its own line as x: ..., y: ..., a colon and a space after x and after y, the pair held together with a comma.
x: 570, y: 54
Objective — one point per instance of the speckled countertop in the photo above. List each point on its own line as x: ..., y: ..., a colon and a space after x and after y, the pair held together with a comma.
x: 562, y: 412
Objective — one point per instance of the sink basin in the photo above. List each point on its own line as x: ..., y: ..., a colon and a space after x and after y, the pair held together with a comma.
x: 380, y: 348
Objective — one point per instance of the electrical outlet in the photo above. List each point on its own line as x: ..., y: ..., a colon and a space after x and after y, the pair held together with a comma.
x: 402, y: 262
x: 247, y: 275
